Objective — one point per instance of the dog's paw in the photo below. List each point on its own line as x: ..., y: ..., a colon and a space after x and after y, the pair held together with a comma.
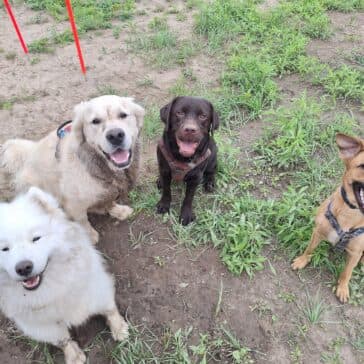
x: 342, y: 292
x: 73, y: 354
x: 121, y: 332
x: 187, y: 216
x: 118, y: 326
x: 209, y: 186
x: 121, y: 212
x: 300, y: 262
x: 163, y: 207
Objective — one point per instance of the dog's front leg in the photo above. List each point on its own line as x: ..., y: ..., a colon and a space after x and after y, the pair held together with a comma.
x: 117, y: 324
x: 342, y: 291
x: 187, y: 215
x: 78, y: 214
x: 165, y: 178
x: 301, y: 261
x: 72, y: 352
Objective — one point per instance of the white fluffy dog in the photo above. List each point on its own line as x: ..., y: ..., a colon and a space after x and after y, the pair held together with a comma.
x: 51, y: 276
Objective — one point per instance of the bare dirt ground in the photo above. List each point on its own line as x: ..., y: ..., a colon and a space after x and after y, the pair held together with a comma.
x: 184, y: 290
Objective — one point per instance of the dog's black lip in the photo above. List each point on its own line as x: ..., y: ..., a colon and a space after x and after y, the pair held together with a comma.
x: 357, y: 186
x: 121, y: 165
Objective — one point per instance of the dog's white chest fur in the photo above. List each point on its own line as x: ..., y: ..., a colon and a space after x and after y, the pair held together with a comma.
x: 332, y: 237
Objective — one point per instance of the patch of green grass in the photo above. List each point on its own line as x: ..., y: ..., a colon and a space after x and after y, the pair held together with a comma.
x: 143, y: 347
x: 358, y: 343
x: 251, y: 81
x: 314, y: 308
x: 89, y: 15
x: 42, y: 45
x: 7, y: 104
x: 344, y: 5
x: 333, y: 355
x: 161, y: 46
x: 299, y: 132
x: 345, y: 82
x: 152, y: 124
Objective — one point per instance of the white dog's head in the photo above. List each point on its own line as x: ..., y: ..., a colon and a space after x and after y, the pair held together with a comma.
x: 32, y: 228
x: 110, y: 125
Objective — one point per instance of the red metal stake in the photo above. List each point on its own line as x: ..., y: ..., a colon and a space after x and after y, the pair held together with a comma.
x: 75, y: 35
x: 12, y: 17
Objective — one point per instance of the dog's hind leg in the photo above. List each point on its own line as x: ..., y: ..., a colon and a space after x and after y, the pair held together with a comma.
x: 118, y: 326
x: 342, y: 291
x: 120, y: 212
x: 301, y: 261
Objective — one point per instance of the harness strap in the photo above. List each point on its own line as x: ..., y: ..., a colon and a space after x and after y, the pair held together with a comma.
x: 180, y: 169
x: 62, y: 131
x: 345, y: 198
x: 344, y: 236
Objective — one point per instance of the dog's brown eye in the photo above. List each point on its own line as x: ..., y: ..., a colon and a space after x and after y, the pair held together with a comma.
x: 6, y: 249
x: 36, y: 238
x: 202, y: 117
x: 180, y: 113
x: 96, y: 121
x: 361, y: 166
x: 122, y: 115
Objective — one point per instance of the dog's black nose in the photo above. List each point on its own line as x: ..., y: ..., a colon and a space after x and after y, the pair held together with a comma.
x: 24, y: 268
x: 115, y: 136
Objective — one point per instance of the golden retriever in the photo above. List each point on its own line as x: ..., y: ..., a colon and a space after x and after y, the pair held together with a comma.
x: 88, y: 166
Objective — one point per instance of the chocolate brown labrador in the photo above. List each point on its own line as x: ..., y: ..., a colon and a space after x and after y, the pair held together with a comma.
x: 187, y: 151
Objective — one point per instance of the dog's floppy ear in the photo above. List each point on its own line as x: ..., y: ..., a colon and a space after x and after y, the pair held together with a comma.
x: 44, y: 200
x: 349, y: 146
x: 138, y: 111
x: 165, y: 112
x: 215, y: 122
x: 77, y: 122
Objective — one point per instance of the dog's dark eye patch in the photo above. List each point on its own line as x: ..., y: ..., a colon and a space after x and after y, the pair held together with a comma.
x: 96, y: 121
x: 123, y: 115
x: 361, y: 166
x: 36, y: 238
x: 6, y: 249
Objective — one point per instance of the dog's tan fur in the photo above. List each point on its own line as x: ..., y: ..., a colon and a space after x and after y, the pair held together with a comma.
x: 80, y: 176
x: 352, y: 153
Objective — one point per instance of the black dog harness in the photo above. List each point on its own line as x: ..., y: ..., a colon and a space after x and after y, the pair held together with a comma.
x: 62, y: 131
x: 344, y: 236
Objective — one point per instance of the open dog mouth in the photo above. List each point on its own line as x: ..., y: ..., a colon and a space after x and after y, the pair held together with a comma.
x: 187, y: 148
x: 32, y: 283
x: 358, y: 188
x: 120, y: 157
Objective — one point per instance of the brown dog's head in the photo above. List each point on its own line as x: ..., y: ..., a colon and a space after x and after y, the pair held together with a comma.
x: 189, y: 120
x: 352, y: 153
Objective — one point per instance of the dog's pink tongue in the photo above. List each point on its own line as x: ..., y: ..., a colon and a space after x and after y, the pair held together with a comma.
x: 31, y: 282
x: 120, y: 156
x: 187, y: 149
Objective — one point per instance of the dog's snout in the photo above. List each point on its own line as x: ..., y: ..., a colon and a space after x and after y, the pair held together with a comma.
x: 190, y: 129
x: 24, y: 268
x: 115, y: 136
